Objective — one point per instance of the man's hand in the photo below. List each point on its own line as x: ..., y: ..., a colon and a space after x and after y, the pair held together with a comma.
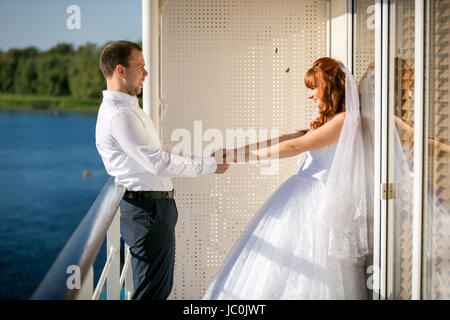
x: 219, y: 155
x: 221, y: 165
x: 221, y: 168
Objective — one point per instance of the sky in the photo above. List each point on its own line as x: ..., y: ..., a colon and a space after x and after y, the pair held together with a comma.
x: 43, y: 23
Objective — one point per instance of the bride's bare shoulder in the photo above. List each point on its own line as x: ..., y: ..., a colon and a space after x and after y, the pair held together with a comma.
x: 338, y: 117
x: 336, y: 120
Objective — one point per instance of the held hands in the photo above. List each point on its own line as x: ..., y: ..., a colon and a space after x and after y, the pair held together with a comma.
x: 221, y: 156
x: 224, y: 156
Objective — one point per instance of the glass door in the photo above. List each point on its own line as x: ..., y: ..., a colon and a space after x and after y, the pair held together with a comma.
x: 364, y: 72
x: 384, y: 68
x: 401, y: 62
x: 418, y: 212
x: 436, y: 216
x: 398, y: 189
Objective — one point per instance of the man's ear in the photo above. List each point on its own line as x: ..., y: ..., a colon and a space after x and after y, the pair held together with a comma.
x: 120, y: 71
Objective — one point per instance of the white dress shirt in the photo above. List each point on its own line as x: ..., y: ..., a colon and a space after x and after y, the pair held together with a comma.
x: 131, y: 150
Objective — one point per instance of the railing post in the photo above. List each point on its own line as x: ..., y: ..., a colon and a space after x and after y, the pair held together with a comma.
x: 87, y: 287
x: 113, y: 240
x: 82, y: 248
x: 129, y: 287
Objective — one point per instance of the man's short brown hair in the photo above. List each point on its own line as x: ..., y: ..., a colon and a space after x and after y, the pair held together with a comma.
x: 116, y: 52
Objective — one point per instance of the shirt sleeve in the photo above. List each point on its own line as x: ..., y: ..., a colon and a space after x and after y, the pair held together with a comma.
x: 129, y: 131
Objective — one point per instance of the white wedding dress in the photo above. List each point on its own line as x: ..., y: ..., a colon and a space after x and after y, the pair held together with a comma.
x: 310, y: 239
x: 283, y: 253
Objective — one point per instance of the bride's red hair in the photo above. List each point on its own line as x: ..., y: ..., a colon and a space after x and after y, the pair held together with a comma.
x: 326, y: 75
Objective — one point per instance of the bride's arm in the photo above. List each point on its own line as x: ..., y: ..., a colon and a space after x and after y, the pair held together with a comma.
x: 435, y: 147
x: 230, y: 155
x: 274, y: 141
x: 290, y: 145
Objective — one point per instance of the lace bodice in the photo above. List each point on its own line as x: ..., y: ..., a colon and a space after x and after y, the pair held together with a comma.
x: 317, y: 163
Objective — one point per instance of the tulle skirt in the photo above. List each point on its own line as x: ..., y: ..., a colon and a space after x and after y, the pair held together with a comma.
x: 283, y: 253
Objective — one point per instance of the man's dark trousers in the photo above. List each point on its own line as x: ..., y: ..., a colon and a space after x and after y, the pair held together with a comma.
x: 148, y: 227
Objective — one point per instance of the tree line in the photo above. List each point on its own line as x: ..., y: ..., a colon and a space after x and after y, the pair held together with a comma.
x: 59, y: 71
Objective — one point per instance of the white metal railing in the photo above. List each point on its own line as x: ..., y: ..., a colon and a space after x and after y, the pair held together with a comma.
x: 110, y: 273
x: 80, y: 253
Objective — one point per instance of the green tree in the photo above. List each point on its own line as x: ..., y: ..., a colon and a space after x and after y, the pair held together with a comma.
x: 85, y: 77
x: 64, y: 49
x: 58, y: 71
x: 9, y: 62
x: 52, y: 76
x: 25, y: 76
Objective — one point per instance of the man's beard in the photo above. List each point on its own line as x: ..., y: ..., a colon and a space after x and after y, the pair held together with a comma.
x: 134, y: 91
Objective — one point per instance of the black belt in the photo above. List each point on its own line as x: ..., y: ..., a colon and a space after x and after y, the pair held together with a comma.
x: 149, y: 195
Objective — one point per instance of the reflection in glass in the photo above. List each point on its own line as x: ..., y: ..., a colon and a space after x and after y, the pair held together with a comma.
x: 436, y: 213
x: 436, y: 226
x: 401, y: 157
x: 364, y: 61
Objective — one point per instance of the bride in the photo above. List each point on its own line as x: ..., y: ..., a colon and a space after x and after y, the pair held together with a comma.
x: 309, y: 240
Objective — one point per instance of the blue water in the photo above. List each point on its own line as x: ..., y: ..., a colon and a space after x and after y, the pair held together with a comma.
x: 43, y: 194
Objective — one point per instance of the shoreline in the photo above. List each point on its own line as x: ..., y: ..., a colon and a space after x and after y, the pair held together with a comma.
x: 34, y: 103
x: 30, y: 108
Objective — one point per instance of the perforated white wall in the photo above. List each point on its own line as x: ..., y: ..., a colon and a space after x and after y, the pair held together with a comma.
x: 364, y: 38
x: 232, y: 64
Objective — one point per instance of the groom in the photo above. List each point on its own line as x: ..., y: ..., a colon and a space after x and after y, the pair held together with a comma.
x: 131, y: 152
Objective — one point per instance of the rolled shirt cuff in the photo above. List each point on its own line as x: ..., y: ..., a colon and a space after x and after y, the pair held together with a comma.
x: 209, y: 165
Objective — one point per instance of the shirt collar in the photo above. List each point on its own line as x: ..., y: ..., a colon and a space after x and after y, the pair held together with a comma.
x: 119, y: 97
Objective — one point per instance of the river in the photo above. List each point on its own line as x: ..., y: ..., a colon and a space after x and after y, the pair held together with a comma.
x: 43, y: 192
